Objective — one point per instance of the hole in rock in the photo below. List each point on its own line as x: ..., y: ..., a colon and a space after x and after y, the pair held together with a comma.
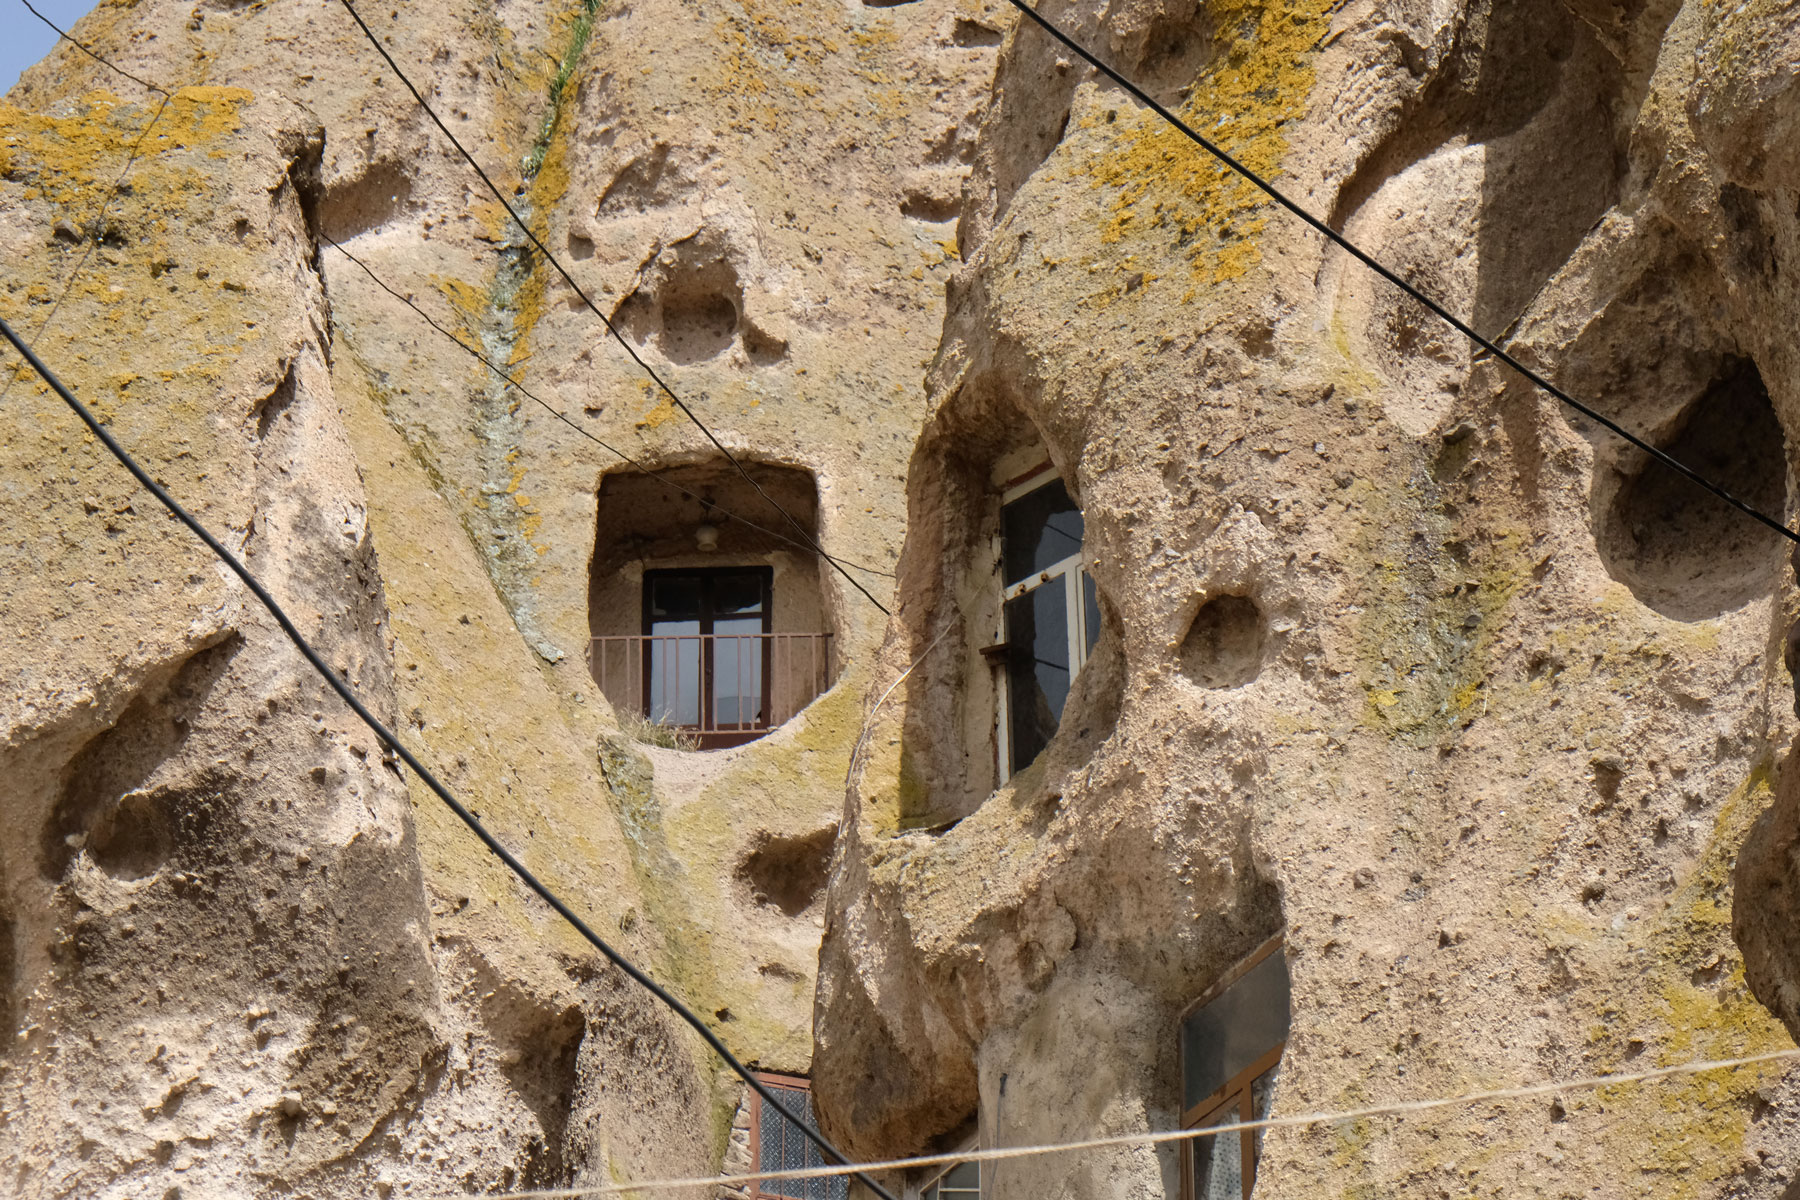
x: 129, y: 829
x: 697, y: 305
x: 134, y: 837
x: 1680, y: 550
x: 580, y: 248
x: 1176, y: 47
x: 372, y: 199
x: 649, y: 180
x: 973, y: 33
x: 788, y: 872
x: 922, y: 205
x: 1224, y: 646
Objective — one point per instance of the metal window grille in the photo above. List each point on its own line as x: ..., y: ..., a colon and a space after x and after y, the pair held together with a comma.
x: 779, y: 1146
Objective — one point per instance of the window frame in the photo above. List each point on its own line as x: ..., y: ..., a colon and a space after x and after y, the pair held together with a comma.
x: 707, y: 717
x: 773, y: 1079
x: 1069, y: 572
x: 917, y: 1191
x: 1239, y: 1088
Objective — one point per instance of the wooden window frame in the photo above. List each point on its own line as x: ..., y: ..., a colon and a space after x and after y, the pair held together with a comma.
x: 772, y: 1079
x: 1240, y: 1088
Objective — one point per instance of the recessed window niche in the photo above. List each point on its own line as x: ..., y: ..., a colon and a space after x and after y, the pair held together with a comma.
x: 707, y: 630
x: 1682, y: 551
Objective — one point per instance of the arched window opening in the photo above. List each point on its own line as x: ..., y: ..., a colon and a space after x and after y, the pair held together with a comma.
x: 1231, y: 1040
x: 1049, y: 612
x: 707, y: 632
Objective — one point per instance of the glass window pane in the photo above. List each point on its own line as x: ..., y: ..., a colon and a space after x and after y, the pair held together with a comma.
x: 781, y: 1147
x: 738, y: 671
x: 1233, y: 1030
x: 737, y: 593
x: 1038, y: 530
x: 1219, y: 1162
x: 1090, y: 609
x: 1037, y: 670
x: 673, y: 663
x: 674, y: 595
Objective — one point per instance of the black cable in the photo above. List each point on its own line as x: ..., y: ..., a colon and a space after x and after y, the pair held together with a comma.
x: 392, y: 741
x: 595, y: 309
x: 109, y: 66
x: 1368, y: 261
x: 489, y: 363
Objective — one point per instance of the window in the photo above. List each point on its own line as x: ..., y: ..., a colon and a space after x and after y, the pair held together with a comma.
x: 1231, y: 1044
x: 707, y: 665
x: 775, y: 1145
x: 1050, y: 613
x: 700, y: 622
x: 961, y: 1182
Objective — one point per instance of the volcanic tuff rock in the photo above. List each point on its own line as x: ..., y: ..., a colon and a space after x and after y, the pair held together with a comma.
x: 1398, y: 657
x: 237, y: 960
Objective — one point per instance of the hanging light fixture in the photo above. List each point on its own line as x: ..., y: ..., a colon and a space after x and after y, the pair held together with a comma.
x: 706, y: 537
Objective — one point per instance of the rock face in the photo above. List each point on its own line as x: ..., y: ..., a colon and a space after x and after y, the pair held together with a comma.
x: 240, y: 957
x: 1399, y: 659
x: 1480, y: 711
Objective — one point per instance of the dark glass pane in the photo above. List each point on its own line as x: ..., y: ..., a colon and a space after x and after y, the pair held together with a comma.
x: 1037, y: 671
x: 1038, y: 530
x: 737, y: 593
x: 674, y: 664
x: 1234, y: 1029
x: 1219, y: 1161
x: 738, y: 671
x: 674, y: 595
x: 1090, y: 608
x: 781, y: 1147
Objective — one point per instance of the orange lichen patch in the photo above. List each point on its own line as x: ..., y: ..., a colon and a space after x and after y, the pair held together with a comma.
x: 60, y: 173
x: 1242, y: 100
x: 66, y: 159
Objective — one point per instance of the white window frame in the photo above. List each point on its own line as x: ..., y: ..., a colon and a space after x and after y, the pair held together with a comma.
x: 917, y: 1191
x: 1068, y: 573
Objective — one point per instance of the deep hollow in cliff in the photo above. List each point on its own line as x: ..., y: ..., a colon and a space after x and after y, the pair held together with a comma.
x: 1682, y: 551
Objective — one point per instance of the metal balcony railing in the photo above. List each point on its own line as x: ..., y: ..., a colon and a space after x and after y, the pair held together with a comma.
x: 723, y: 689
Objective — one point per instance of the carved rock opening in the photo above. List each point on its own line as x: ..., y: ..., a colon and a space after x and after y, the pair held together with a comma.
x: 382, y: 193
x: 1224, y: 645
x: 789, y: 873
x: 1680, y: 550
x: 110, y: 805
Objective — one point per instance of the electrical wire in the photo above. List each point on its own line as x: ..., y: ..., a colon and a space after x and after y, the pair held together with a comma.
x: 393, y: 742
x: 489, y: 363
x: 611, y: 328
x: 109, y: 66
x: 1163, y: 1137
x: 1392, y: 277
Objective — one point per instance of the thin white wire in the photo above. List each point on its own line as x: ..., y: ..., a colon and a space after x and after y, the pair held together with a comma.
x: 1579, y: 1083
x: 869, y: 723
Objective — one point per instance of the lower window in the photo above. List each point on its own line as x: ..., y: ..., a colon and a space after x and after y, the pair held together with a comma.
x: 1231, y: 1044
x: 961, y: 1182
x: 775, y: 1145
